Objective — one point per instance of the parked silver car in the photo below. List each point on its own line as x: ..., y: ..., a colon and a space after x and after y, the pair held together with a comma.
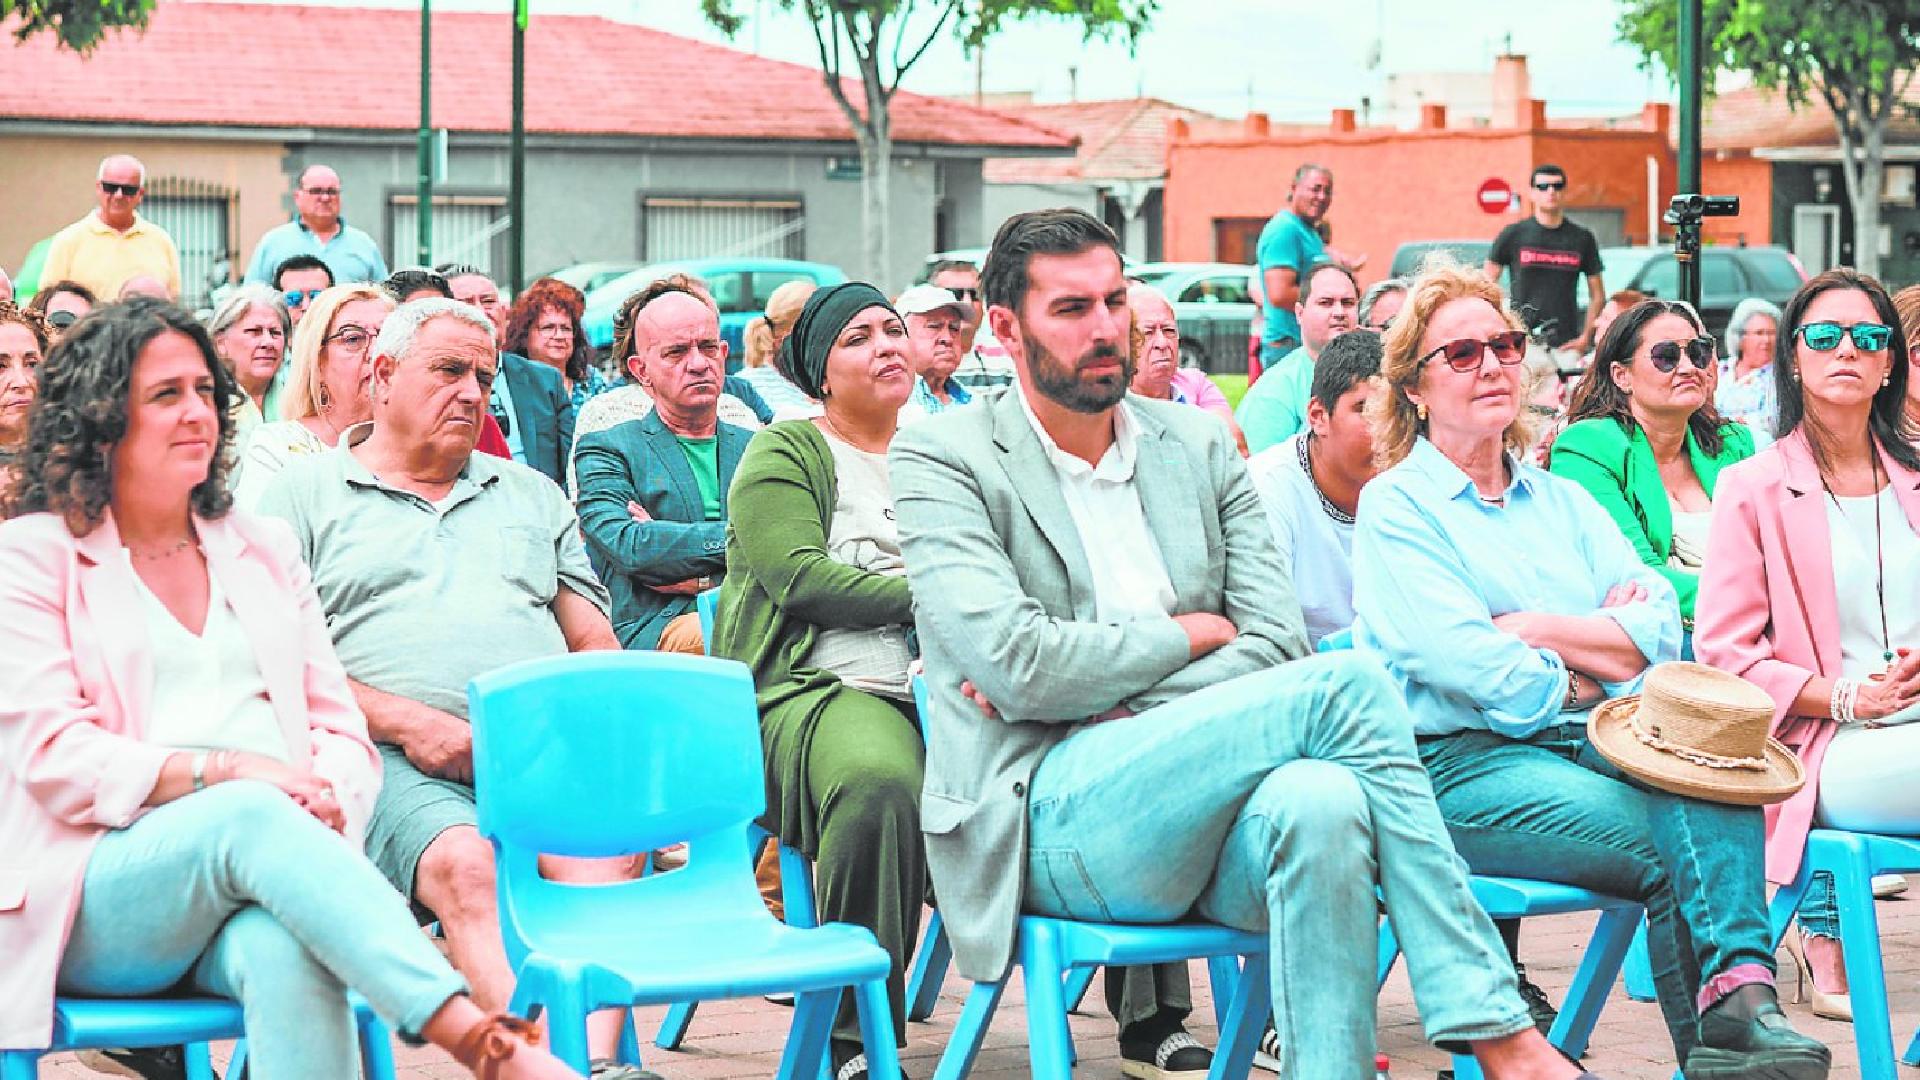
x: 1214, y: 306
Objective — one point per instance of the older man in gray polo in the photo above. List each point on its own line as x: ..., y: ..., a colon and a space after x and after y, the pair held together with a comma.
x: 434, y: 565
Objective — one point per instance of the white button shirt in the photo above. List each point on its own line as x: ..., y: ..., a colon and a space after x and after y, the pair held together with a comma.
x: 1129, y: 577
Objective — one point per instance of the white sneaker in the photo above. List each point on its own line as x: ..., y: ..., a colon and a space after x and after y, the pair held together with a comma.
x: 1887, y: 886
x: 1267, y: 1054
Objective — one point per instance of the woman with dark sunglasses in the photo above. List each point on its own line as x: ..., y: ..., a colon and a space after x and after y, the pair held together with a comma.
x: 1506, y: 604
x: 1812, y: 587
x: 1646, y: 441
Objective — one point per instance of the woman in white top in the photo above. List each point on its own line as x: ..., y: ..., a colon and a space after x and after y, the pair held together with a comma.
x: 186, y: 764
x: 326, y: 387
x: 250, y: 329
x: 1645, y: 439
x: 1812, y: 586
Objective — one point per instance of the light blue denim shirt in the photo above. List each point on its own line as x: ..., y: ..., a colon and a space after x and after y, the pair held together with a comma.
x: 1433, y: 564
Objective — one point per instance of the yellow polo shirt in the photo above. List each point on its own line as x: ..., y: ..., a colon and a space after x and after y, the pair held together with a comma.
x: 96, y: 255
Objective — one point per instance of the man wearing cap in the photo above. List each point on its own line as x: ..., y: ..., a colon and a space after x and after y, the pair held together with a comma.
x: 936, y: 321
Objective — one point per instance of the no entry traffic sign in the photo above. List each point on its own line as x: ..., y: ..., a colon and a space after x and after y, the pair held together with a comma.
x: 1495, y: 195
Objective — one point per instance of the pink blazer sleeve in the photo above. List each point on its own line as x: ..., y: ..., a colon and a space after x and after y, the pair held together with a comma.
x: 1733, y: 616
x: 54, y: 738
x: 343, y: 754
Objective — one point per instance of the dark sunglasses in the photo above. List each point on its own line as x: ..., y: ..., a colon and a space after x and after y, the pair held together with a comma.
x: 1825, y: 336
x: 1666, y: 354
x: 965, y: 294
x: 1465, y: 354
x: 323, y: 192
x: 111, y: 188
x: 60, y: 320
x: 1550, y: 185
x: 295, y: 297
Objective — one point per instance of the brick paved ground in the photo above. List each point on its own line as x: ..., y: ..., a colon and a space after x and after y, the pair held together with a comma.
x: 743, y: 1039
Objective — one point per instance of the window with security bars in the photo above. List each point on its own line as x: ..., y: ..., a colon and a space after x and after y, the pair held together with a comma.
x: 199, y: 217
x: 673, y: 228
x: 466, y: 229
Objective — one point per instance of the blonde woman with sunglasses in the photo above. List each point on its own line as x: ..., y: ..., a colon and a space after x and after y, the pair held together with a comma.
x: 326, y: 386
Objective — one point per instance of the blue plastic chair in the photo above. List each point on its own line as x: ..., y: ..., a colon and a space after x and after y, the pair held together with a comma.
x: 101, y: 1023
x: 1514, y: 898
x: 669, y: 748
x: 707, y: 604
x: 376, y: 1048
x: 1853, y: 859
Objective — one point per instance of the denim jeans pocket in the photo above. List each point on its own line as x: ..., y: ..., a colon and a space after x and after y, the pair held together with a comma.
x: 1059, y: 886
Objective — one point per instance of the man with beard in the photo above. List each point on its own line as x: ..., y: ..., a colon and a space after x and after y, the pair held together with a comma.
x: 1123, y: 723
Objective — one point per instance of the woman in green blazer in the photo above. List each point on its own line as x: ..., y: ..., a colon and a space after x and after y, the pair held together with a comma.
x: 1646, y: 441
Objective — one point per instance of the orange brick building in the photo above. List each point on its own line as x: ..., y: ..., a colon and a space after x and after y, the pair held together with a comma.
x: 1394, y: 186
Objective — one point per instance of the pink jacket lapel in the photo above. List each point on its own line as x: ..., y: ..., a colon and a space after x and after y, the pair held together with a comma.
x: 118, y: 632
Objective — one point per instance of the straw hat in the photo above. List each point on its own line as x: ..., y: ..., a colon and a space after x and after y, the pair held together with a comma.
x: 1698, y: 731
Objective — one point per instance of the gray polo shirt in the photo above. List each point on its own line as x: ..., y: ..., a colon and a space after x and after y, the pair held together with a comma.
x: 421, y: 597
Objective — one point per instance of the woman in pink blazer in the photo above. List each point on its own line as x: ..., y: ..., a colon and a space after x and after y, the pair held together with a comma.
x: 1811, y: 588
x: 184, y: 776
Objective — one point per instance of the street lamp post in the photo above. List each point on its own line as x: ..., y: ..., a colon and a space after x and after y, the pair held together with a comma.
x: 517, y: 155
x: 423, y: 215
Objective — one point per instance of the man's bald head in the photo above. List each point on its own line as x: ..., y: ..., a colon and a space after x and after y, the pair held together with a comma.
x: 680, y: 359
x: 672, y: 311
x: 1144, y: 299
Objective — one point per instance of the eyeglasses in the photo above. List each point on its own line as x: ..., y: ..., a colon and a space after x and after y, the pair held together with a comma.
x: 323, y: 192
x: 1550, y: 185
x: 554, y: 331
x: 350, y: 337
x: 60, y: 320
x: 1666, y: 354
x: 296, y: 298
x: 1465, y: 354
x: 1825, y: 336
x: 111, y: 188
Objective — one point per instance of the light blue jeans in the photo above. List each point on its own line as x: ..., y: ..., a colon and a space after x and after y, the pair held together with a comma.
x: 239, y: 890
x: 1276, y: 802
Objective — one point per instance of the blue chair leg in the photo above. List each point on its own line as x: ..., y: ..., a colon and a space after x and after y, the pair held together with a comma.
x: 237, y: 1064
x: 1248, y: 994
x: 1639, y: 968
x: 199, y: 1061
x: 1224, y: 975
x: 1594, y: 979
x: 796, y: 889
x: 629, y: 1038
x: 1466, y: 1067
x: 1050, y: 1043
x: 1389, y: 951
x: 876, y: 1030
x: 806, y: 1053
x: 1079, y: 981
x: 1866, y: 975
x: 19, y: 1065
x: 674, y: 1027
x: 929, y: 969
x: 1911, y: 1057
x: 969, y: 1031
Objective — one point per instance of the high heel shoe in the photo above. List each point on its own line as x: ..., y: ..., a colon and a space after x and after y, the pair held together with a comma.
x: 1825, y: 1005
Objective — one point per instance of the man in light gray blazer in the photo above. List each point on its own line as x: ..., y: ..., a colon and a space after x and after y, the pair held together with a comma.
x: 1122, y: 723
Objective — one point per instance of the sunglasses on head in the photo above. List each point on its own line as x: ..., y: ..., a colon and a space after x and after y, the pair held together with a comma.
x: 1550, y: 185
x: 1825, y: 336
x: 1465, y: 354
x: 1666, y: 354
x: 112, y: 188
x: 296, y: 297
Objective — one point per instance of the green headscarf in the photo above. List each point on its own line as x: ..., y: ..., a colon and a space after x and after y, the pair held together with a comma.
x: 803, y: 356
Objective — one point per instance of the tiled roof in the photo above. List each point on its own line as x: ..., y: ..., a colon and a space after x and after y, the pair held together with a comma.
x: 272, y: 65
x: 1119, y: 140
x: 1753, y: 119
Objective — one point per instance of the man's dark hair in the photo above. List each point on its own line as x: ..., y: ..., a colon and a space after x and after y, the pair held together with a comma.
x: 1346, y: 362
x: 1064, y: 231
x: 1548, y: 170
x: 1306, y: 279
x: 301, y: 262
x: 47, y: 292
x: 81, y: 414
x: 451, y: 270
x: 404, y: 283
x: 945, y: 265
x: 1597, y: 395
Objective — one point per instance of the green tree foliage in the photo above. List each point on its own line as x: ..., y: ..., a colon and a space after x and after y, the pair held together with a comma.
x: 1856, y: 57
x: 878, y: 41
x: 78, y: 24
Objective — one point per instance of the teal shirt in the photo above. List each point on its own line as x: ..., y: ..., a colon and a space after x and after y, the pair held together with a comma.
x: 703, y: 457
x: 1275, y: 408
x: 1286, y: 242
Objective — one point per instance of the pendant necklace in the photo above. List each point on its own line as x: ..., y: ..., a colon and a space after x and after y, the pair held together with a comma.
x: 1879, y: 558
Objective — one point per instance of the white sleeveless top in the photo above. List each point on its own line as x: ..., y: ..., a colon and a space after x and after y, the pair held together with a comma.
x: 208, y: 693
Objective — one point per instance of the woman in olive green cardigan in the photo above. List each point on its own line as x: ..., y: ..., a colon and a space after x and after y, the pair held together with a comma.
x: 815, y: 601
x: 1647, y: 442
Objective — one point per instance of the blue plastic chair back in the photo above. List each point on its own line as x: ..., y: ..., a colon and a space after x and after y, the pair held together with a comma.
x: 610, y: 753
x: 707, y: 604
x: 1336, y: 641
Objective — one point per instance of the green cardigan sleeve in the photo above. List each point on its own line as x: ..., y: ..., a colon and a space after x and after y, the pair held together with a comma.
x: 1593, y: 454
x: 778, y: 512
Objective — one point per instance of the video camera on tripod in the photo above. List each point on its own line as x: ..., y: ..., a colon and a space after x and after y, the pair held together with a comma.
x: 1685, y: 213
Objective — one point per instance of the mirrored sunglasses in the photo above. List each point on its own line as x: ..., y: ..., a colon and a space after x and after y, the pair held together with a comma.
x: 1825, y: 336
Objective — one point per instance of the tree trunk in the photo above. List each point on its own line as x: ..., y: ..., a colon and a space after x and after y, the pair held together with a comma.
x: 876, y: 167
x: 1863, y: 166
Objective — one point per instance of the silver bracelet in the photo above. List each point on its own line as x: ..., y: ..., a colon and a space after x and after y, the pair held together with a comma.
x: 200, y: 770
x: 1845, y: 695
